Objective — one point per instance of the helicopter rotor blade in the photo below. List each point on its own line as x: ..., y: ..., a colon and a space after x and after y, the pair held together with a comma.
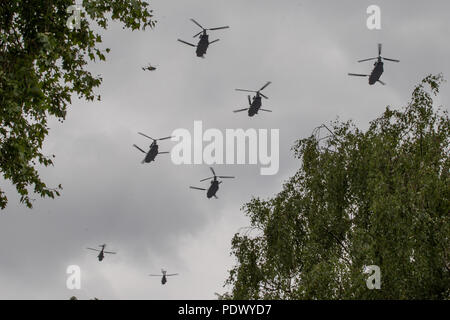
x: 155, y: 275
x: 265, y: 86
x: 218, y: 28
x: 109, y: 252
x: 196, y: 188
x: 226, y: 177
x: 393, y: 60
x: 240, y: 110
x: 212, y: 170
x: 198, y: 24
x: 245, y: 90
x: 171, y: 274
x: 379, y: 48
x: 198, y: 34
x: 206, y: 179
x: 265, y: 97
x: 164, y: 138
x: 368, y: 59
x: 382, y: 82
x: 165, y: 152
x: 358, y: 75
x: 249, y: 100
x: 142, y: 134
x: 214, y: 41
x: 93, y: 249
x: 265, y: 110
x: 189, y: 44
x: 139, y: 148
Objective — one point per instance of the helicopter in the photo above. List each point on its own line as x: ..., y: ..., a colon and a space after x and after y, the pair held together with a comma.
x: 164, y: 276
x: 378, y: 70
x: 255, y: 104
x: 153, y: 152
x: 101, y: 255
x: 214, y: 187
x: 149, y: 68
x: 204, y: 43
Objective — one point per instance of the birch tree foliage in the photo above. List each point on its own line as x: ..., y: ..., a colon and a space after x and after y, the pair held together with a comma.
x: 375, y: 197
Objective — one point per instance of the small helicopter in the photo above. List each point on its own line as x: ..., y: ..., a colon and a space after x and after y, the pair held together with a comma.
x: 101, y: 255
x: 378, y: 70
x: 214, y: 187
x: 255, y: 104
x: 153, y: 152
x: 204, y: 43
x: 164, y: 276
x: 149, y: 68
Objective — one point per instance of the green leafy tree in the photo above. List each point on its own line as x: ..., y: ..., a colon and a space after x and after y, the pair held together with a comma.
x: 378, y: 197
x: 43, y: 64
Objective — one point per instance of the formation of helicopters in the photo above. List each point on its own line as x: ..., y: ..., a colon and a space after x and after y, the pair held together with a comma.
x: 102, y: 253
x: 255, y: 105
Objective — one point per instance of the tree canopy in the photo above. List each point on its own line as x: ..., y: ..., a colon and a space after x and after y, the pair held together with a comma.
x: 375, y: 197
x: 43, y: 64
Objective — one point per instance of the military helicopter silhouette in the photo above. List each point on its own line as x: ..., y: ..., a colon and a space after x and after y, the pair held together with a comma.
x: 101, y: 255
x: 256, y: 103
x: 378, y: 70
x: 164, y: 276
x: 214, y: 187
x: 204, y: 43
x: 153, y: 151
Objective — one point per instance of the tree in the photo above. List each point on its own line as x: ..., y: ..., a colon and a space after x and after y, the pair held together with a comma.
x: 43, y: 64
x: 379, y: 197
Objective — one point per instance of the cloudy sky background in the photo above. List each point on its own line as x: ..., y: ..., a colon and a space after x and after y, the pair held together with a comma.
x: 147, y: 213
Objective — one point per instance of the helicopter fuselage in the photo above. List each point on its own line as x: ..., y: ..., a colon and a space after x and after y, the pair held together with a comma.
x: 254, y: 106
x: 203, y: 45
x: 213, y: 188
x: 164, y: 279
x: 376, y: 72
x: 101, y: 256
x: 152, y: 153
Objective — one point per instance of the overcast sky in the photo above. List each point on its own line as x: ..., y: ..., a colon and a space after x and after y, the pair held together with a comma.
x: 147, y: 213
